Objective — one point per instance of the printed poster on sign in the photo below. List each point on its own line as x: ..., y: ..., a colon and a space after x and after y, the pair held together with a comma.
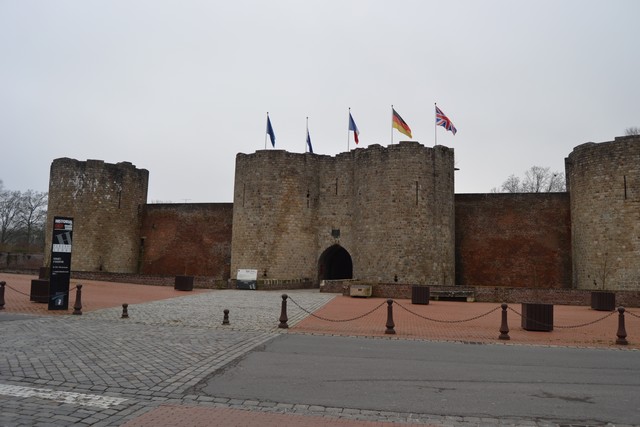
x: 60, y: 263
x: 247, y: 279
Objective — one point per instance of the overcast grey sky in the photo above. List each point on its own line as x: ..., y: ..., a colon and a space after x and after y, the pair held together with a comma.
x: 180, y: 87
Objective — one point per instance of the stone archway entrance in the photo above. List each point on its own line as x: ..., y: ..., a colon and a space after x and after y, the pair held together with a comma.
x: 335, y: 264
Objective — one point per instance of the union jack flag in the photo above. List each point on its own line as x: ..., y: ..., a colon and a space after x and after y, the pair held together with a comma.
x: 442, y: 120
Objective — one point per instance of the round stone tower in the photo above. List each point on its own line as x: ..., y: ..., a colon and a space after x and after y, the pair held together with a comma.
x: 275, y: 196
x: 401, y: 214
x: 376, y: 214
x: 105, y: 201
x: 604, y: 186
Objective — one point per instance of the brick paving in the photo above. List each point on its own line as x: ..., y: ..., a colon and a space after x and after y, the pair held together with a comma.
x: 449, y: 321
x: 172, y: 415
x: 96, y: 295
x: 56, y: 367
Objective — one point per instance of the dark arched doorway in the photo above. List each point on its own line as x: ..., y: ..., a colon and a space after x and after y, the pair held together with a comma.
x: 335, y: 264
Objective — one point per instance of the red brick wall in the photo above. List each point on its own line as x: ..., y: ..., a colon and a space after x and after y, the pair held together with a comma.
x: 513, y: 240
x: 187, y: 239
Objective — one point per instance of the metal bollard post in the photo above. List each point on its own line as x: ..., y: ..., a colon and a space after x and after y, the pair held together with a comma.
x: 2, y: 284
x: 283, y: 313
x: 77, y: 306
x: 622, y: 332
x: 390, y: 325
x: 125, y: 312
x: 504, y: 327
x: 225, y: 319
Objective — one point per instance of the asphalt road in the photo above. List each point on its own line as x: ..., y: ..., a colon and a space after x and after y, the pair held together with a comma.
x: 557, y: 384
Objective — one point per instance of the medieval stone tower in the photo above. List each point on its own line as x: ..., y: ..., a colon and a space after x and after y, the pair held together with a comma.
x: 105, y: 201
x: 376, y: 214
x: 604, y: 186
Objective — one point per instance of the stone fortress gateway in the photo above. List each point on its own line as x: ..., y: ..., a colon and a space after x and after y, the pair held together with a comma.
x: 377, y: 214
x: 384, y: 215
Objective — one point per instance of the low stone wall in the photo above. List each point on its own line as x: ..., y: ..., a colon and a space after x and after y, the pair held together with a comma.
x: 18, y: 261
x: 488, y: 294
x: 551, y: 296
x: 274, y: 284
x: 378, y: 290
x: 201, y: 282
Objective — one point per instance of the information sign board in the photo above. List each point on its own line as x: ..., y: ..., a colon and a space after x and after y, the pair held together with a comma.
x: 247, y: 279
x: 60, y: 263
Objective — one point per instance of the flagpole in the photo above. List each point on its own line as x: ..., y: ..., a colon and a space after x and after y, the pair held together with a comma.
x: 305, y: 137
x: 435, y: 124
x: 265, y: 133
x: 348, y: 128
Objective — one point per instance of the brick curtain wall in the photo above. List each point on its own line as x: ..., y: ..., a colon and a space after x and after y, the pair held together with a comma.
x: 187, y: 239
x: 513, y: 240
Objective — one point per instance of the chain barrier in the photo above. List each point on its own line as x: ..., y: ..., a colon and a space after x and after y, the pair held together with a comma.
x: 448, y: 321
x: 470, y: 319
x: 581, y: 325
x: 336, y: 320
x: 17, y: 291
x: 29, y: 295
x: 632, y: 313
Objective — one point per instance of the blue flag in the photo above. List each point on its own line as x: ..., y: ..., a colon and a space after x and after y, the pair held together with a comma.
x: 309, y: 142
x: 270, y: 132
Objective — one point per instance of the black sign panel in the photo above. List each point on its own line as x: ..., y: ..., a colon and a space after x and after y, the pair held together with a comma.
x: 60, y: 263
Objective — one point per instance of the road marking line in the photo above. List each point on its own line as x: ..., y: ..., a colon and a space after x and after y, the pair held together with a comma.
x: 104, y: 402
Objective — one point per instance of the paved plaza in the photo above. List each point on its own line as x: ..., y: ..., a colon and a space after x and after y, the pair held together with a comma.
x: 59, y: 369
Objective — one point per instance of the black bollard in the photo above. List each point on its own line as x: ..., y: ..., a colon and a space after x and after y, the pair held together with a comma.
x: 504, y: 327
x: 77, y: 306
x: 2, y: 284
x: 622, y: 332
x: 283, y: 313
x: 125, y: 313
x: 225, y: 319
x: 390, y: 325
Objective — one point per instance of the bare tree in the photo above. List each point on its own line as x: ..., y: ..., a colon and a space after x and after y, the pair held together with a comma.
x: 9, y: 209
x: 511, y: 185
x: 537, y: 179
x: 22, y: 219
x: 32, y: 214
x: 632, y: 131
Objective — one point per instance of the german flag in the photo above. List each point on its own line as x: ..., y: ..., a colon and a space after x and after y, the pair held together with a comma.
x: 400, y: 124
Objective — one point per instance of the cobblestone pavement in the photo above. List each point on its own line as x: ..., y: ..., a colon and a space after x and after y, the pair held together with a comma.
x: 162, y: 349
x: 102, y: 370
